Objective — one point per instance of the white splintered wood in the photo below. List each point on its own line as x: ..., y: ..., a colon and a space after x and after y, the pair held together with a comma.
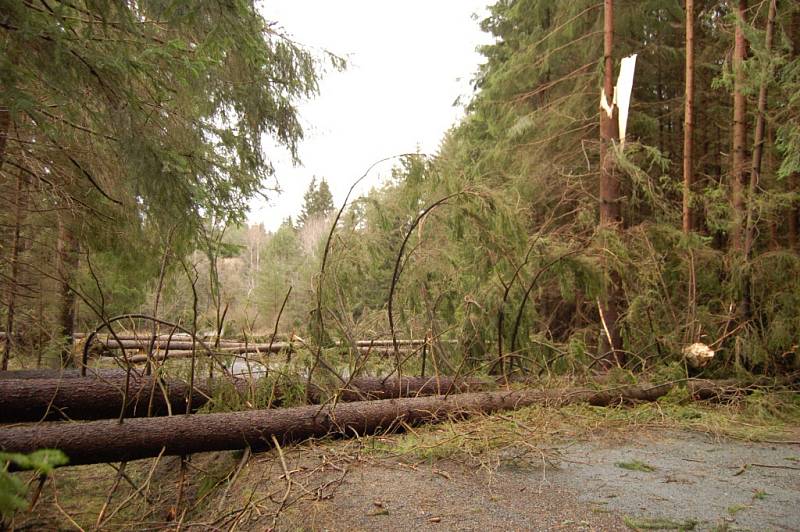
x: 622, y: 94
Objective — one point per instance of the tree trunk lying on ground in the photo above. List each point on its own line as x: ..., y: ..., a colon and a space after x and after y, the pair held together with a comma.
x: 226, y: 351
x: 209, y: 340
x: 93, y: 397
x: 66, y: 373
x: 183, y: 344
x: 186, y: 345
x: 110, y: 441
x: 101, y: 397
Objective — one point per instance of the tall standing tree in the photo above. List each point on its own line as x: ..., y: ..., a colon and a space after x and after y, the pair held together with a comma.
x: 688, y: 123
x: 130, y: 117
x: 739, y: 133
x: 789, y: 132
x: 610, y: 213
x: 317, y: 202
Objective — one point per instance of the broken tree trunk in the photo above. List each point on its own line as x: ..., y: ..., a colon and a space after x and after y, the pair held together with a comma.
x: 35, y: 399
x: 111, y: 441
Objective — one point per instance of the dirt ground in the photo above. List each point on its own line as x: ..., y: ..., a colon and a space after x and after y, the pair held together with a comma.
x: 695, y: 482
x: 622, y: 480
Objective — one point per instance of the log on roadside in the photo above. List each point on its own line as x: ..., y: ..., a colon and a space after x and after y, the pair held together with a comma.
x: 60, y: 373
x: 101, y: 397
x: 228, y: 351
x: 109, y: 441
x: 186, y: 345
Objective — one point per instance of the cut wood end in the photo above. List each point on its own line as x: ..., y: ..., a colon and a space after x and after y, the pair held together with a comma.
x: 698, y: 355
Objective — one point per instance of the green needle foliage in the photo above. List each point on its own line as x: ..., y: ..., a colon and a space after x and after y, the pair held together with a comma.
x: 12, y: 489
x: 133, y: 127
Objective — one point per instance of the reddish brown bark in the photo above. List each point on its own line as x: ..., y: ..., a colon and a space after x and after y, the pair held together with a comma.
x: 688, y: 123
x: 739, y: 134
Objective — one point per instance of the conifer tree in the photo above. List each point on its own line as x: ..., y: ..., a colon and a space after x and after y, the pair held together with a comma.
x: 130, y: 118
x: 317, y: 202
x: 688, y: 124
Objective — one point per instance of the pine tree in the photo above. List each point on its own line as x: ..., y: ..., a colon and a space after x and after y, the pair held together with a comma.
x: 131, y: 118
x: 688, y: 124
x: 317, y: 202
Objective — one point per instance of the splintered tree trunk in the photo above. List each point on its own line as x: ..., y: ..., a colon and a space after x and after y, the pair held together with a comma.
x: 110, y: 441
x: 67, y: 266
x: 32, y: 396
x: 738, y: 163
x: 610, y: 217
x: 13, y: 281
x: 688, y: 123
x: 794, y: 179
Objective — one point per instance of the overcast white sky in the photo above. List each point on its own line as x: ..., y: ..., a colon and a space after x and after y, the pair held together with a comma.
x: 408, y: 62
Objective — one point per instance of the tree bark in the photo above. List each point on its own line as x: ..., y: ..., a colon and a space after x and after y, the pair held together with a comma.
x: 755, y: 168
x: 794, y: 179
x: 13, y: 282
x: 760, y: 136
x: 5, y: 127
x: 182, y: 344
x: 610, y: 217
x: 111, y: 441
x: 688, y: 124
x: 739, y: 135
x: 100, y: 397
x: 93, y: 398
x: 61, y: 374
x: 144, y: 343
x: 67, y: 266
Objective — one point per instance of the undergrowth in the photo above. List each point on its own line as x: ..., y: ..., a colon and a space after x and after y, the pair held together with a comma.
x: 760, y: 416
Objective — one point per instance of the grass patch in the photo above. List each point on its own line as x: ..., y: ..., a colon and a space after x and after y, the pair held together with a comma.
x: 736, y: 508
x: 532, y: 429
x: 636, y: 465
x: 658, y: 523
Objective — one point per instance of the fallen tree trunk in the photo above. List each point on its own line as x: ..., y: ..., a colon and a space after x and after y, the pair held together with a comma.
x: 182, y: 337
x: 184, y: 345
x: 94, y: 397
x: 110, y: 441
x: 370, y: 388
x: 223, y: 351
x: 66, y: 373
x: 101, y: 397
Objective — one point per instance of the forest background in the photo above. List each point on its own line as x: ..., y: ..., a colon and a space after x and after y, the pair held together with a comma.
x: 132, y: 142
